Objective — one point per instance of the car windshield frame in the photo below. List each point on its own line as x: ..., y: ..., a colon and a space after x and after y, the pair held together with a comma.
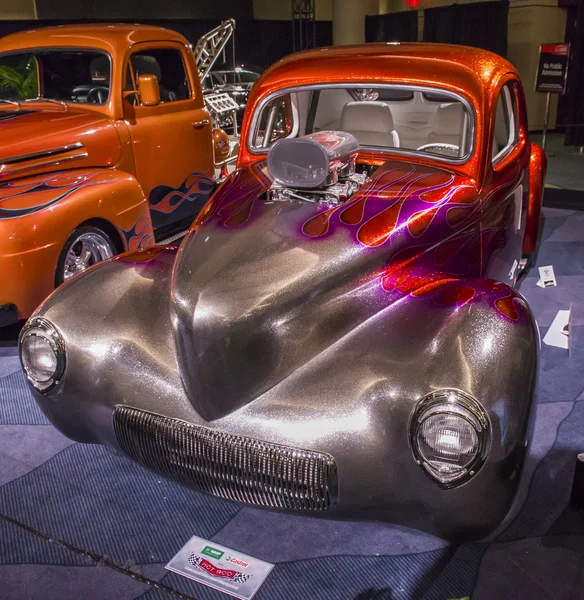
x: 69, y: 102
x: 467, y: 104
x: 220, y: 77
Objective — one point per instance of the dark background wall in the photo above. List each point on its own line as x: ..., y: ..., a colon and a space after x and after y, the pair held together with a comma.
x: 571, y: 105
x: 480, y: 24
x: 258, y: 43
x: 392, y: 27
x: 147, y: 9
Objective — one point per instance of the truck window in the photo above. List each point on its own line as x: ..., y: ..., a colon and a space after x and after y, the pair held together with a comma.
x: 168, y: 67
x: 67, y: 75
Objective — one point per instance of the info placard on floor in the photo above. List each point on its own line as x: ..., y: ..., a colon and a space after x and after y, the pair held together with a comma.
x: 547, y: 277
x: 221, y: 568
x: 558, y: 334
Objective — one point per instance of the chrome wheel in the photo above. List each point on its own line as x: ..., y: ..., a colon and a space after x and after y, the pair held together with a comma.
x: 87, y: 249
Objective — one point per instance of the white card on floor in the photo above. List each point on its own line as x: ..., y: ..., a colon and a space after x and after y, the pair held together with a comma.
x: 222, y: 568
x: 513, y: 269
x: 547, y: 277
x: 558, y: 334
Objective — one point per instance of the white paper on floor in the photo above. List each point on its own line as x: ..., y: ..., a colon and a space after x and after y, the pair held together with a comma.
x: 547, y: 277
x: 558, y: 334
x: 219, y: 567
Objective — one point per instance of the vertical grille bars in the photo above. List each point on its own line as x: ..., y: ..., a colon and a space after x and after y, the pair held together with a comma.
x: 229, y: 466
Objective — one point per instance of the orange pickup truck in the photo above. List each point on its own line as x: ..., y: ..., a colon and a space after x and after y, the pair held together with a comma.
x: 105, y: 146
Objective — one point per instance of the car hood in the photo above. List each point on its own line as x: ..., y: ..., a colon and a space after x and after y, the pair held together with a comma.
x: 39, y: 141
x: 262, y: 287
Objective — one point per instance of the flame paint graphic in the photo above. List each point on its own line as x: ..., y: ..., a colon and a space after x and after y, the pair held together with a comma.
x: 426, y: 220
x: 245, y: 186
x: 400, y: 196
x: 19, y: 198
x: 166, y: 199
x: 139, y: 236
x: 449, y: 292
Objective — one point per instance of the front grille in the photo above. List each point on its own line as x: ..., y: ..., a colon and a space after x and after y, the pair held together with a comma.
x: 226, y: 465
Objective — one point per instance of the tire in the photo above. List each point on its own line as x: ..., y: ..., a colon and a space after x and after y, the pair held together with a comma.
x: 85, y: 247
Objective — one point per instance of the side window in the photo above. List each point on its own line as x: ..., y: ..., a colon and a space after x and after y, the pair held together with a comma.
x: 506, y: 132
x: 275, y: 122
x: 168, y: 67
x: 19, y: 78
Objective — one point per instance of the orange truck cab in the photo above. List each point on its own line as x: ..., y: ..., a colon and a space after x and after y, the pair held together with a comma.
x: 105, y: 146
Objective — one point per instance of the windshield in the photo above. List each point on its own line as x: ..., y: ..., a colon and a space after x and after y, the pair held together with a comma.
x: 402, y: 118
x: 236, y: 77
x: 65, y: 75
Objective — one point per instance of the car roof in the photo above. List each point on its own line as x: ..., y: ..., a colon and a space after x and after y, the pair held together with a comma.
x: 469, y: 71
x: 110, y: 37
x: 472, y: 73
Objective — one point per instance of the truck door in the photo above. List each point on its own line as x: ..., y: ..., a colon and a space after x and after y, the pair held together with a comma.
x: 172, y: 141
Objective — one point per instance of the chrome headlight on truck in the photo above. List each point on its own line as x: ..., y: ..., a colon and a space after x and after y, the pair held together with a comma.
x: 42, y: 353
x: 450, y: 436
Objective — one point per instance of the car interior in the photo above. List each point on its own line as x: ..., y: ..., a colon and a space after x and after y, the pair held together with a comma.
x: 60, y: 75
x: 84, y: 76
x: 398, y: 118
x: 167, y: 66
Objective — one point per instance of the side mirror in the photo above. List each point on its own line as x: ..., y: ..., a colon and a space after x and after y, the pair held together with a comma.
x: 149, y: 90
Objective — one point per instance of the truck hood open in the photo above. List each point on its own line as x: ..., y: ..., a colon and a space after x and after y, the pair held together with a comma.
x: 40, y: 141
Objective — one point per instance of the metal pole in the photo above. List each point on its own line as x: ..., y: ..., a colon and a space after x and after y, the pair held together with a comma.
x: 545, y: 120
x: 233, y: 45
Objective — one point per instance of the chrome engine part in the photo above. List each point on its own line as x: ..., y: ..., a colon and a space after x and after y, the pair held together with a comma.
x: 319, y: 167
x: 336, y: 193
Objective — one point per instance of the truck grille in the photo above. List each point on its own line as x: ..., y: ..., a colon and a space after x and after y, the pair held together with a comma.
x: 225, y: 465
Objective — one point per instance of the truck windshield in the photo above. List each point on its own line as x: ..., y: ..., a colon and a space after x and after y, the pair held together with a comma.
x: 69, y: 75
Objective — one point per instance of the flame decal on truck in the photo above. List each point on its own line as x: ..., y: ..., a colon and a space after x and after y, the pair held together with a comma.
x: 169, y: 205
x: 20, y: 198
x: 166, y: 199
x: 139, y: 235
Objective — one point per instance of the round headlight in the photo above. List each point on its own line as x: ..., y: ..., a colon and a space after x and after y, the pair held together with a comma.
x: 450, y: 436
x: 42, y: 353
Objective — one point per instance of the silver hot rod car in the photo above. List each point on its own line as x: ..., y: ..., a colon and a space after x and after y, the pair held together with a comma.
x: 339, y: 333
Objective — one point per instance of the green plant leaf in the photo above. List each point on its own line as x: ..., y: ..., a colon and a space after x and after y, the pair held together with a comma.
x: 21, y: 79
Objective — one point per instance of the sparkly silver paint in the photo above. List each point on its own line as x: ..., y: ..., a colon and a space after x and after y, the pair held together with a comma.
x: 353, y: 368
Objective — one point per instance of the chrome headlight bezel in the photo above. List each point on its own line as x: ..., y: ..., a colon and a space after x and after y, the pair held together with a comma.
x: 462, y: 405
x: 42, y: 328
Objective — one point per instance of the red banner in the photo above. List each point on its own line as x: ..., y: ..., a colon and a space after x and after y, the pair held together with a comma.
x: 556, y: 49
x: 216, y: 572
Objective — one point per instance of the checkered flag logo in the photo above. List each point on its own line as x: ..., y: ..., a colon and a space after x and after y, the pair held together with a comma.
x: 241, y: 578
x: 196, y: 561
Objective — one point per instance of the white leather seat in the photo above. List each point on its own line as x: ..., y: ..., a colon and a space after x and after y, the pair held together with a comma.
x: 448, y: 125
x: 370, y: 122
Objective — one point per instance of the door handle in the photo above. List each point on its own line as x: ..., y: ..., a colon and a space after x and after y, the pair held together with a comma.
x: 200, y: 124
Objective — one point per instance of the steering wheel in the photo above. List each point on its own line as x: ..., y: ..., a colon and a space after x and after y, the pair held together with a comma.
x: 450, y: 148
x: 100, y: 92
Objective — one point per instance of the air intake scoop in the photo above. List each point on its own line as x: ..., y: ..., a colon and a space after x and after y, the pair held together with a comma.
x: 307, y: 161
